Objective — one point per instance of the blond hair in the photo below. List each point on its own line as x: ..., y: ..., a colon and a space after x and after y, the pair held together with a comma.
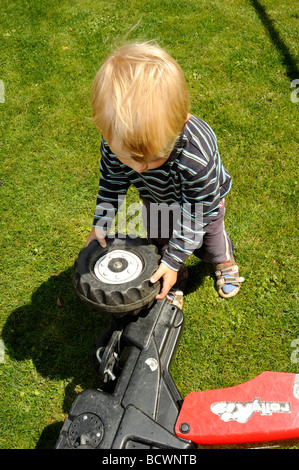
x: 140, y: 99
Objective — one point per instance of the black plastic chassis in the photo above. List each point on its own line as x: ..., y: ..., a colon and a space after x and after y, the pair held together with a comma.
x: 141, y: 410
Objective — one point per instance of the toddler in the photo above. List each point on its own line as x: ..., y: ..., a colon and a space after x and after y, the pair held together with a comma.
x: 140, y: 105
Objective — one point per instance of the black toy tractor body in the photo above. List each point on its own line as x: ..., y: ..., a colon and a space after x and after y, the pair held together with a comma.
x: 138, y: 405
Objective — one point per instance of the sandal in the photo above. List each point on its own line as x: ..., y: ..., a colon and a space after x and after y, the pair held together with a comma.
x: 176, y: 294
x: 176, y: 297
x: 228, y: 281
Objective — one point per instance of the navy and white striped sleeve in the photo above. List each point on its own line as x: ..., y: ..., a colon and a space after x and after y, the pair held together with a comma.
x: 204, y: 181
x: 198, y: 200
x: 113, y: 187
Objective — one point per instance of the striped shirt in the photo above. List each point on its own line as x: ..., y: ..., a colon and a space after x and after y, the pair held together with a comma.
x: 193, y: 178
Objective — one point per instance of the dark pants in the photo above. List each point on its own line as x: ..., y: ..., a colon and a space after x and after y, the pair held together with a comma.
x: 216, y: 245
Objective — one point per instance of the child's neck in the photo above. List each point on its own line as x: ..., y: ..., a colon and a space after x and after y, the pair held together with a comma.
x: 188, y: 117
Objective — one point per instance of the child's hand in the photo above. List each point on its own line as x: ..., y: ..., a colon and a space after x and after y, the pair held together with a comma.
x: 97, y: 234
x: 169, y: 279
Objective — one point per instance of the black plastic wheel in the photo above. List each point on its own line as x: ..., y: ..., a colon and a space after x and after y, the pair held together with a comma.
x: 116, y: 279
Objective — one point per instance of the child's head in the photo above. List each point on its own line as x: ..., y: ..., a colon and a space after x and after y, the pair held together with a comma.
x: 140, y: 100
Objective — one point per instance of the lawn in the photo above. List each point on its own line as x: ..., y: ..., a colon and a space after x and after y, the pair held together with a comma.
x: 240, y: 59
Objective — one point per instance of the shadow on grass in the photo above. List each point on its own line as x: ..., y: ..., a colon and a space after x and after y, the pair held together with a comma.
x: 198, y: 271
x: 58, y: 332
x: 58, y: 336
x: 288, y: 59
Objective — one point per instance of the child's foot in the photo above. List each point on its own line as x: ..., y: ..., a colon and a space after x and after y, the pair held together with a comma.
x: 228, y: 280
x: 176, y: 297
x: 176, y: 294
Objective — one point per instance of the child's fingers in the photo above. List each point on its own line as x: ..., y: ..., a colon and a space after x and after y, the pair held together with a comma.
x: 169, y: 279
x: 164, y: 291
x: 97, y: 234
x: 158, y: 274
x: 102, y: 242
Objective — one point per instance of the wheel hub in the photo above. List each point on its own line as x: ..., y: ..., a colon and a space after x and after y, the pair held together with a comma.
x: 118, y: 267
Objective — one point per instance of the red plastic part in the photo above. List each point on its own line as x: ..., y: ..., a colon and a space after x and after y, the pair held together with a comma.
x: 265, y: 408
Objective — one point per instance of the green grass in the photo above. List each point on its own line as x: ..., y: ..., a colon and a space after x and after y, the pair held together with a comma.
x: 239, y: 58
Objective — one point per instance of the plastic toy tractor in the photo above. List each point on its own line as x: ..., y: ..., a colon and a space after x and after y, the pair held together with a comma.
x: 138, y: 405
